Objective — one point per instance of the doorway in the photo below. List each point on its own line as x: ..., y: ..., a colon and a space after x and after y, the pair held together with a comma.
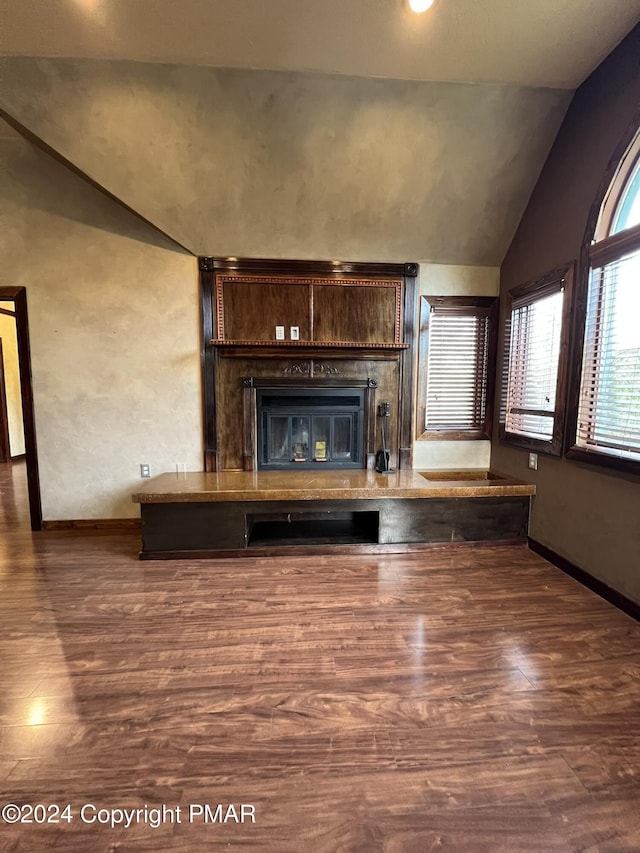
x: 5, y: 444
x: 17, y: 297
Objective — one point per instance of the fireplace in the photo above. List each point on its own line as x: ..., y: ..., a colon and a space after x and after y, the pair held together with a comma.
x: 310, y: 428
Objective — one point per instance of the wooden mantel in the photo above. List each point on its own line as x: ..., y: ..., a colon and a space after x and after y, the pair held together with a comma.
x: 354, y: 322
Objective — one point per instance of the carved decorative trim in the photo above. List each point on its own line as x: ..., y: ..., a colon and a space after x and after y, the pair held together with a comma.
x: 205, y: 264
x: 326, y: 369
x: 291, y: 279
x: 247, y: 381
x: 372, y: 383
x: 299, y: 368
x: 284, y: 345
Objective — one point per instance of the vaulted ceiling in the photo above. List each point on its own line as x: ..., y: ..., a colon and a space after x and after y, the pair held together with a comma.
x: 256, y: 129
x: 554, y: 43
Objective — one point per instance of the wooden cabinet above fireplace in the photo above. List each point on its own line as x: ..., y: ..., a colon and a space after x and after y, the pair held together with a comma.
x: 325, y: 311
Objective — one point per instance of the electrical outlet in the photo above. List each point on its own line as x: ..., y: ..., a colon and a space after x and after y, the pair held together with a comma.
x: 533, y: 461
x: 145, y: 471
x: 295, y: 333
x: 279, y: 333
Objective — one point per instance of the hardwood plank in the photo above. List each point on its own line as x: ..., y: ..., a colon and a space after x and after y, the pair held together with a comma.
x: 605, y: 824
x: 608, y: 766
x: 6, y: 767
x: 474, y: 699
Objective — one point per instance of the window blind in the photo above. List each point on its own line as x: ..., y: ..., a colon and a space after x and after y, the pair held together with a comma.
x: 609, y: 403
x: 457, y: 365
x: 534, y: 351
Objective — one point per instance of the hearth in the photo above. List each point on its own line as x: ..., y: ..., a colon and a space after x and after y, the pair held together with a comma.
x: 306, y: 428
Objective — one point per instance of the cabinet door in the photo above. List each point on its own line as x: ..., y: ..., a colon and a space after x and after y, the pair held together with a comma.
x: 358, y: 314
x: 252, y: 310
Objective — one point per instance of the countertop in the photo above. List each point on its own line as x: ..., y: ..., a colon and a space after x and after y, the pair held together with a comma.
x: 324, y: 485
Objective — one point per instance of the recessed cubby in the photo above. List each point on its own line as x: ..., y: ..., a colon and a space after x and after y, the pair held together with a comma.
x: 312, y: 528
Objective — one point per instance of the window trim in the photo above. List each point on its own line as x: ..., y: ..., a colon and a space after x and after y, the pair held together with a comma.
x: 607, y: 249
x: 538, y: 287
x: 607, y: 209
x: 488, y: 304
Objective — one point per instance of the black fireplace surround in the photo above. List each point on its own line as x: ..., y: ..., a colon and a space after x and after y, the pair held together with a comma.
x: 310, y: 428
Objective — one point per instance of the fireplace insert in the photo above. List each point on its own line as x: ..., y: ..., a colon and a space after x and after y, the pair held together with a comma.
x: 306, y: 428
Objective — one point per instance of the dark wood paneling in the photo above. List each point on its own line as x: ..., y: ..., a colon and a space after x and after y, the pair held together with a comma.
x: 407, y: 389
x: 252, y: 310
x: 455, y: 519
x: 250, y: 426
x: 193, y: 527
x: 208, y: 359
x: 358, y: 307
x: 362, y: 314
x: 325, y: 269
x: 232, y: 411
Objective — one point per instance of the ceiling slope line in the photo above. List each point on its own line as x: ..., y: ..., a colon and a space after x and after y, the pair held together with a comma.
x: 68, y: 164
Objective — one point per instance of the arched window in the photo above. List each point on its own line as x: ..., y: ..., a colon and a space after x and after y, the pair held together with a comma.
x: 608, y: 417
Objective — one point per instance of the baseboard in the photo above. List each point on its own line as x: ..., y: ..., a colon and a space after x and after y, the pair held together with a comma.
x: 113, y: 525
x: 594, y: 584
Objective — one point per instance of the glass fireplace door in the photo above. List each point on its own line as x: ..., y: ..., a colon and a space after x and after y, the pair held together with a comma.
x: 311, y: 436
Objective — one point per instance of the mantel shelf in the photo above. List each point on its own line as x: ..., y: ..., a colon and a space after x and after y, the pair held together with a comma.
x: 310, y: 345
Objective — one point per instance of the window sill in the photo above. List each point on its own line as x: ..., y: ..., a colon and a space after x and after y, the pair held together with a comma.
x: 537, y: 445
x: 453, y: 435
x: 603, y: 460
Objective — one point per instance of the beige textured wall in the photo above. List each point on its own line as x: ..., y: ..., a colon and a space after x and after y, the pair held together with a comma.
x: 230, y: 163
x: 114, y: 329
x: 286, y: 165
x: 114, y: 319
x: 450, y: 280
x: 12, y: 380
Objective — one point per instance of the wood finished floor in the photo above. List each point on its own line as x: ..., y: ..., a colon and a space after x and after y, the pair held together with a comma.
x: 464, y: 700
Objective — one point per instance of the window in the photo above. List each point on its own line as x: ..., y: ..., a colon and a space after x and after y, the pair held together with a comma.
x: 534, y: 387
x: 608, y: 412
x: 457, y: 366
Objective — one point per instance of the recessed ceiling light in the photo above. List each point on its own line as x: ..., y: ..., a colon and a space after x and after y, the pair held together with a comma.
x: 420, y: 5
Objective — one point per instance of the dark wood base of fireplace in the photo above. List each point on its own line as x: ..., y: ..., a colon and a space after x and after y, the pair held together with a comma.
x: 403, y: 512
